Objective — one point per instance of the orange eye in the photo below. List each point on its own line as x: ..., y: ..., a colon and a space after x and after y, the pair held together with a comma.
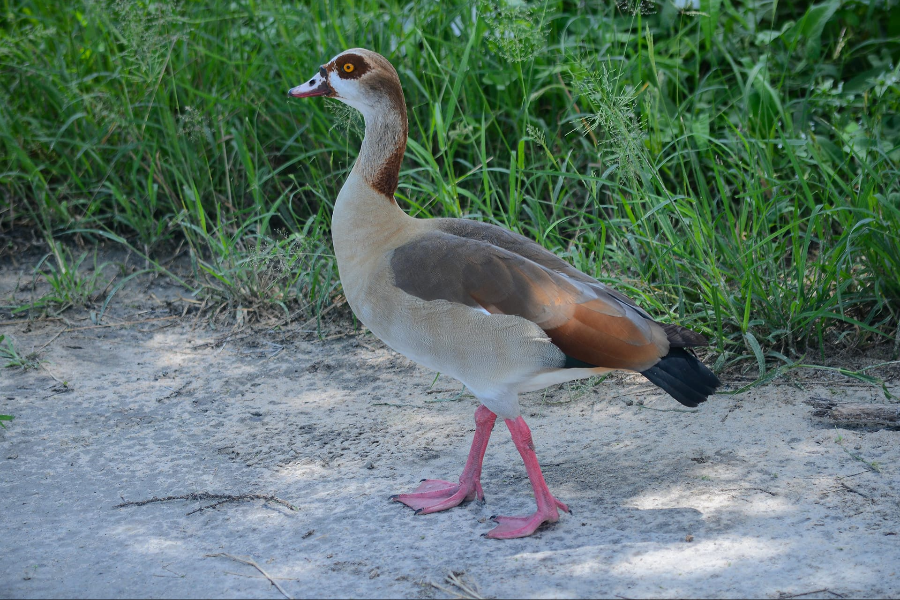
x: 348, y: 68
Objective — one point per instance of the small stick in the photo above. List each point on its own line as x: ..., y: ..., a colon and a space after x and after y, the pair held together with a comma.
x: 456, y: 579
x: 172, y: 392
x: 255, y: 566
x: 897, y: 341
x: 756, y: 489
x: 826, y: 590
x: 55, y: 378
x: 258, y: 577
x: 123, y: 324
x: 222, y: 339
x: 854, y: 490
x: 736, y: 406
x: 445, y: 590
x: 24, y: 321
x: 222, y: 499
x: 199, y: 312
x: 61, y: 331
x: 641, y: 406
x: 453, y: 579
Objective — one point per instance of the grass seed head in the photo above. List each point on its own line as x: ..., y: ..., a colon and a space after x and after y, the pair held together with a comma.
x: 192, y: 124
x: 613, y: 117
x: 147, y: 32
x: 647, y: 7
x: 515, y: 31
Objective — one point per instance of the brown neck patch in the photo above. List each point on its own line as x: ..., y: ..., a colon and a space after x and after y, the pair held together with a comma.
x: 388, y: 176
x: 387, y: 84
x: 385, y: 143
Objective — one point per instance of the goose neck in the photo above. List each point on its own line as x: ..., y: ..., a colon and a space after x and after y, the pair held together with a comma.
x: 383, y: 147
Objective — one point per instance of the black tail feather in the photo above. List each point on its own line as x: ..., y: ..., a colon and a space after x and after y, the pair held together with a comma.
x: 683, y: 377
x: 682, y: 337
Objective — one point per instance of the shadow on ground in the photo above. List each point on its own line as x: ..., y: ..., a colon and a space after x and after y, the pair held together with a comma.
x: 746, y: 497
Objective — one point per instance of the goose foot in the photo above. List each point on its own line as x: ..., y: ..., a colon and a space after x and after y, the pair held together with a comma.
x: 548, y: 507
x: 435, y: 495
x: 516, y: 527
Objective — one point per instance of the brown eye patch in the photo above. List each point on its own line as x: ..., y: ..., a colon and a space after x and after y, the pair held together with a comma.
x: 351, y: 66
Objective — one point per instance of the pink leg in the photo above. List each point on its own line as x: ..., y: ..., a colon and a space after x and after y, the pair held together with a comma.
x: 547, y: 505
x: 434, y: 495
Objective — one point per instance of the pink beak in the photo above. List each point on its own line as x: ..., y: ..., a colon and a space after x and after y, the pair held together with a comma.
x: 317, y: 86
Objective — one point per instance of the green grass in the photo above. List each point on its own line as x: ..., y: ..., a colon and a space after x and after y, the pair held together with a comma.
x: 733, y: 168
x: 10, y: 356
x: 69, y: 285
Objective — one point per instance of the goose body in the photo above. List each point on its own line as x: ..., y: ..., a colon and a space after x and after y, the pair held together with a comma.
x: 477, y: 302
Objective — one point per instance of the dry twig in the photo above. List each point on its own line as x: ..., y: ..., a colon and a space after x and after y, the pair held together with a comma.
x: 455, y: 579
x: 201, y: 496
x: 679, y: 410
x: 854, y: 490
x: 122, y: 324
x: 28, y: 321
x: 855, y: 413
x: 255, y: 566
x: 823, y: 590
x: 47, y: 343
x: 258, y: 577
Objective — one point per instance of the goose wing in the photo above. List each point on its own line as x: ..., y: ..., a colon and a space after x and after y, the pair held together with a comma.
x: 489, y: 268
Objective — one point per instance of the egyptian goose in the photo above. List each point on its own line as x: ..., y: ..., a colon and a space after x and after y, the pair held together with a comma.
x: 477, y: 302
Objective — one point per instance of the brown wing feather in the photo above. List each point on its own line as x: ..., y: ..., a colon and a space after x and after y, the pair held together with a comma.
x: 521, y: 245
x: 577, y: 313
x: 678, y: 336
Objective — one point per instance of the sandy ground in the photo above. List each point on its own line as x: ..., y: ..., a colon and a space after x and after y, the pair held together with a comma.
x: 749, y: 496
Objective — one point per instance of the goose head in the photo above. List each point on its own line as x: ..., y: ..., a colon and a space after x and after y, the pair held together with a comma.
x: 368, y: 82
x: 359, y: 78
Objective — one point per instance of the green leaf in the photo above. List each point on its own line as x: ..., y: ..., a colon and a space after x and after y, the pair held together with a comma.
x: 709, y: 10
x: 762, y: 100
x: 757, y: 352
x: 810, y: 27
x: 766, y: 37
x: 700, y: 129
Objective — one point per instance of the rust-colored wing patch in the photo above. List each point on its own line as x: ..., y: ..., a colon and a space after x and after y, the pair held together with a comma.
x: 577, y: 313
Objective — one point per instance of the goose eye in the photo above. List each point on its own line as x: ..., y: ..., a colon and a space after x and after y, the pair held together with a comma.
x: 348, y: 68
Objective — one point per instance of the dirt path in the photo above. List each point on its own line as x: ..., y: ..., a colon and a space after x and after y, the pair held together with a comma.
x: 773, y: 503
